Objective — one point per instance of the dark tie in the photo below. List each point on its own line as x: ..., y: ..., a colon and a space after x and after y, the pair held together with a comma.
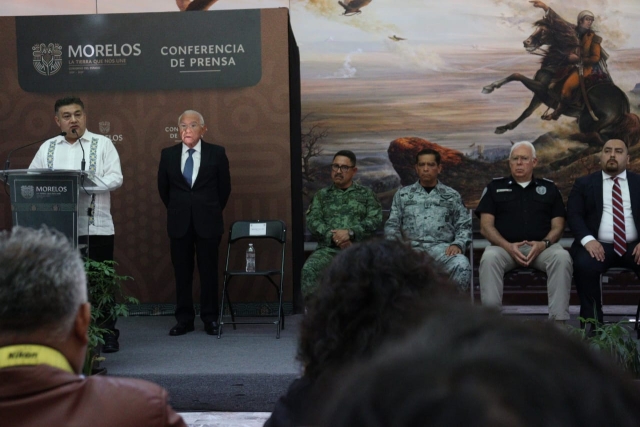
x: 619, y: 233
x: 188, y: 167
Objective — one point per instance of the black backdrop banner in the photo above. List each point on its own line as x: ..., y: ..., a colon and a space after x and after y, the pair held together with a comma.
x: 147, y: 51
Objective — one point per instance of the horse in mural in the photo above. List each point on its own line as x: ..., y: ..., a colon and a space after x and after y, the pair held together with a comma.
x: 610, y: 115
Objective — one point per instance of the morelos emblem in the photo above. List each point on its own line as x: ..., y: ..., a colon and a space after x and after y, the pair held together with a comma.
x: 27, y: 191
x: 104, y: 127
x: 47, y: 58
x: 541, y: 190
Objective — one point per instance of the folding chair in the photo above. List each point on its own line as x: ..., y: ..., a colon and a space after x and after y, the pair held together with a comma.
x: 243, y: 231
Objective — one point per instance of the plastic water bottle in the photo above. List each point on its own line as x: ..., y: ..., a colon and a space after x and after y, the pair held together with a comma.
x: 251, y: 259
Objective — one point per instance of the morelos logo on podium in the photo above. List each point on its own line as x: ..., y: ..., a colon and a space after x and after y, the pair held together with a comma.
x: 47, y: 58
x: 27, y: 191
x: 142, y: 51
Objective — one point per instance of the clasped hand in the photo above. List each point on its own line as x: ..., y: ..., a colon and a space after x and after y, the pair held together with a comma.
x: 522, y: 259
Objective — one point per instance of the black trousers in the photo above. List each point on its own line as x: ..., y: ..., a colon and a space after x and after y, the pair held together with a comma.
x: 587, y: 271
x: 184, y: 252
x: 100, y: 248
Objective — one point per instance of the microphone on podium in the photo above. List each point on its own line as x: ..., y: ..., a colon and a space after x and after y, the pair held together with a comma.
x: 82, y: 163
x: 7, y: 163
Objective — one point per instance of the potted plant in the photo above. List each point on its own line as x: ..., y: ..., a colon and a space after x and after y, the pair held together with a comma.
x: 614, y: 339
x: 105, y: 289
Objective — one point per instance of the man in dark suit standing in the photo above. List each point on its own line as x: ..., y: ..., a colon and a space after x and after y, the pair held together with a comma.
x: 604, y: 216
x: 194, y: 184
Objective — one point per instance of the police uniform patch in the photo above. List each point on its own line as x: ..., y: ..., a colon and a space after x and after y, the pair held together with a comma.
x: 541, y: 190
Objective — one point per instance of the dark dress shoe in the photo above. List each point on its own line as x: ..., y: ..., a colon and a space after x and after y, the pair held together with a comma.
x: 111, y: 344
x: 181, y: 329
x: 211, y: 328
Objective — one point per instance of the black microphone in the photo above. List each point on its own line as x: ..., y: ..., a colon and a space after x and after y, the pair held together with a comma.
x: 8, y: 162
x: 82, y: 163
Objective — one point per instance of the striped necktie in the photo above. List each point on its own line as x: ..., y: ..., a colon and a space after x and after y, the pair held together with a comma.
x: 188, y: 167
x: 619, y: 233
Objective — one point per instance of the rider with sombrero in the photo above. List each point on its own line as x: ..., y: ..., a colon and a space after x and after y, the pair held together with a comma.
x: 588, y: 60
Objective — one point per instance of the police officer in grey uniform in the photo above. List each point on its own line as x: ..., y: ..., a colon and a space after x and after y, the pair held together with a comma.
x: 432, y: 217
x: 523, y: 218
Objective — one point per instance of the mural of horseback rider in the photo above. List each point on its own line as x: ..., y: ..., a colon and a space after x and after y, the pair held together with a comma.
x: 588, y: 62
x: 572, y: 57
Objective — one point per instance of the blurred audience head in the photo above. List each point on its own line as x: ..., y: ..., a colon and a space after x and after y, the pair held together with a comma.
x: 43, y: 292
x: 470, y: 367
x: 372, y: 292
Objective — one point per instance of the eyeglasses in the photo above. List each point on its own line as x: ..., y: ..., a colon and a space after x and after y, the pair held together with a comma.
x: 192, y: 126
x: 342, y: 168
x: 516, y: 159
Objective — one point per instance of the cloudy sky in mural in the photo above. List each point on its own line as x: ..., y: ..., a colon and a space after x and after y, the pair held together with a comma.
x: 457, y: 21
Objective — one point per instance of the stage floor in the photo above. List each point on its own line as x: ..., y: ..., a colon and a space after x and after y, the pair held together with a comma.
x: 244, y: 371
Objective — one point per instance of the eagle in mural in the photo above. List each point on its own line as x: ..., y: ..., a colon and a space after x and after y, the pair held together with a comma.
x: 352, y: 7
x: 189, y: 5
x: 396, y: 38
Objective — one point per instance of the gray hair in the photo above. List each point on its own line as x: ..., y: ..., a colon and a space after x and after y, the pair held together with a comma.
x: 201, y: 119
x: 526, y: 144
x: 42, y: 282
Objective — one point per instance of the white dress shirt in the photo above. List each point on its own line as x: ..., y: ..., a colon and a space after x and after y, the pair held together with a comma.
x: 69, y: 156
x: 605, y: 231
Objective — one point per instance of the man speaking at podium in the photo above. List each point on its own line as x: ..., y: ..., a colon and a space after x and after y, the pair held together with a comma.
x: 71, y: 152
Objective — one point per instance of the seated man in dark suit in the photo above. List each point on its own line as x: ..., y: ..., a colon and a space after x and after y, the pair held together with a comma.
x: 44, y: 318
x: 603, y: 212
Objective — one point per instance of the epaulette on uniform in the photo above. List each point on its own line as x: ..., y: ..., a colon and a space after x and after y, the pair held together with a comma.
x: 547, y: 179
x: 498, y: 177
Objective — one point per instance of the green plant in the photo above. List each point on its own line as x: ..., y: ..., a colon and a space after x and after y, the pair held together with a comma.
x: 105, y: 288
x: 614, y: 339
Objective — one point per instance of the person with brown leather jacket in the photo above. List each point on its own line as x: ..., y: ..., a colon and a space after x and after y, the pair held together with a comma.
x: 44, y: 318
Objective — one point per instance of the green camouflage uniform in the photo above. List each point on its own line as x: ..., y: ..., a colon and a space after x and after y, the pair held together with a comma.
x: 356, y: 208
x: 432, y: 222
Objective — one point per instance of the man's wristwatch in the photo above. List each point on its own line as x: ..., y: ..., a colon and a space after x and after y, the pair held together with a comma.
x: 351, y: 234
x: 547, y: 243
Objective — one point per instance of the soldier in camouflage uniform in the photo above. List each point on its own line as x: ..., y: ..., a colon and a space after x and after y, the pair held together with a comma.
x: 343, y: 213
x: 432, y: 217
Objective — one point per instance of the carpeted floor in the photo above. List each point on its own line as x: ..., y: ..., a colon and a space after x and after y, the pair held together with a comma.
x: 244, y: 371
